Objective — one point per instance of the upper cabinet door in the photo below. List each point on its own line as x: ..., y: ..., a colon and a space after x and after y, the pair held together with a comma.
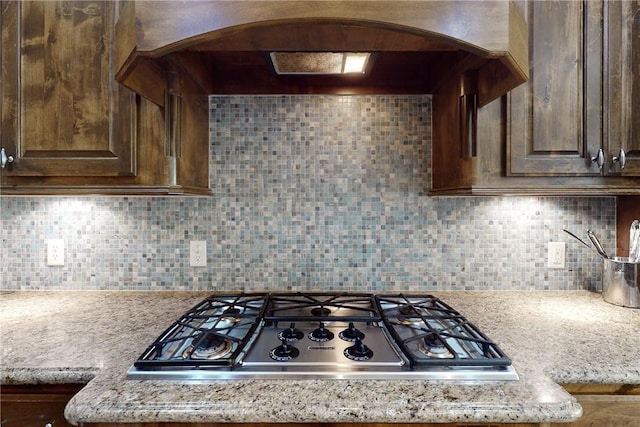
x: 622, y: 87
x: 63, y: 114
x: 555, y: 123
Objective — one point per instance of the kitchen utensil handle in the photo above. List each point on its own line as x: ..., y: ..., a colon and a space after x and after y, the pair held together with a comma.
x: 634, y: 241
x: 597, y: 244
x: 577, y: 238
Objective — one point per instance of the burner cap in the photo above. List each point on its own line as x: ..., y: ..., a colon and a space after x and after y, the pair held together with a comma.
x: 408, y: 310
x: 410, y: 314
x: 351, y: 333
x: 358, y: 351
x: 320, y: 311
x: 231, y: 314
x: 208, y: 346
x: 291, y: 334
x: 433, y: 346
x: 321, y: 334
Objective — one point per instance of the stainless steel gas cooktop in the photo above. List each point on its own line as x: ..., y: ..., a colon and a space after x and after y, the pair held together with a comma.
x: 322, y: 335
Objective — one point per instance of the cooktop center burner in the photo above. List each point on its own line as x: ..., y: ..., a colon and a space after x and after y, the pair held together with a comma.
x: 320, y: 311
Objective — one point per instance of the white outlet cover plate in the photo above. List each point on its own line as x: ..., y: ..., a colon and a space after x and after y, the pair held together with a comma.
x: 198, y: 253
x: 556, y: 255
x: 55, y: 252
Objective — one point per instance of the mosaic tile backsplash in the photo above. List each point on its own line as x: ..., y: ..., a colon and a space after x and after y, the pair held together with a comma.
x: 310, y: 193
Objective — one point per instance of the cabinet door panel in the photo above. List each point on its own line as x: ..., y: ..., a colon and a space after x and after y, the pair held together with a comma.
x: 34, y: 410
x: 555, y: 117
x: 70, y: 117
x: 608, y: 411
x: 622, y: 86
x: 36, y: 405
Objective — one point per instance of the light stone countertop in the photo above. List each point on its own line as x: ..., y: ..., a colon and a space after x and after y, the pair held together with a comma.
x: 94, y: 336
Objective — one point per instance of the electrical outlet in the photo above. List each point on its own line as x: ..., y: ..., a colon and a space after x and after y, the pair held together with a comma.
x: 198, y: 253
x: 556, y: 255
x: 55, y: 252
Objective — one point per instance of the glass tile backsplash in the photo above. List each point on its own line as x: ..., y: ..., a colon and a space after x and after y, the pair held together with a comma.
x: 309, y: 193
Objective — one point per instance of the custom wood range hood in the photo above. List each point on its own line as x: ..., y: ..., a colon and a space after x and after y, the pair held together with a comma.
x: 417, y: 46
x: 465, y: 53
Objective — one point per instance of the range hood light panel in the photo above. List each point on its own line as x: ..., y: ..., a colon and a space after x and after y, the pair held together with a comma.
x: 329, y: 63
x: 355, y: 63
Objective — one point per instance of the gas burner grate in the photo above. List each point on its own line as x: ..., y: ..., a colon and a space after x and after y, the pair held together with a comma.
x: 215, y: 332
x: 322, y: 307
x: 431, y: 333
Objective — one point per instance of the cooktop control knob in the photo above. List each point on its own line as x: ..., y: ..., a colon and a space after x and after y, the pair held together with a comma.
x: 321, y: 334
x: 291, y: 334
x: 351, y: 333
x: 358, y: 351
x: 284, y: 352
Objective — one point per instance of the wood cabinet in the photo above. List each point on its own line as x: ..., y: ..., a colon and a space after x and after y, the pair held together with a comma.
x: 576, y: 113
x: 554, y: 118
x: 581, y: 100
x: 69, y: 125
x: 63, y: 114
x: 35, y: 405
x: 606, y: 405
x: 622, y: 86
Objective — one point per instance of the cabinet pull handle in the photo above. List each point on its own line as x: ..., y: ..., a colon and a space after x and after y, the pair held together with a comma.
x: 620, y: 158
x: 4, y: 159
x: 468, y: 104
x: 173, y: 125
x: 599, y: 158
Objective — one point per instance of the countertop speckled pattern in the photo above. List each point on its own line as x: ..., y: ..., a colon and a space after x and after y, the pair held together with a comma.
x: 86, y: 336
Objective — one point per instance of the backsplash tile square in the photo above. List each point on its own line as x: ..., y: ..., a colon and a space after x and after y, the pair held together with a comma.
x: 310, y: 193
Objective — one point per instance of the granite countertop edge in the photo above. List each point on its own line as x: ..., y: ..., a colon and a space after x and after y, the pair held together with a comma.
x: 52, y: 376
x: 537, y: 397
